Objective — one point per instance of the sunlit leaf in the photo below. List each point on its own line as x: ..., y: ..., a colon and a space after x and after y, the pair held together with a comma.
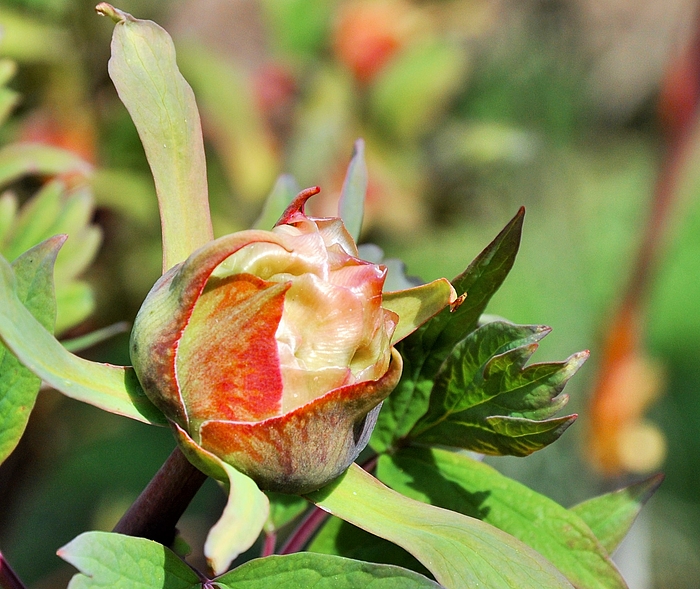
x: 352, y: 197
x: 320, y: 571
x: 124, y: 562
x: 461, y: 552
x: 485, y: 399
x: 112, y: 388
x: 610, y: 516
x: 18, y: 385
x: 162, y: 106
x: 457, y: 482
x: 425, y: 349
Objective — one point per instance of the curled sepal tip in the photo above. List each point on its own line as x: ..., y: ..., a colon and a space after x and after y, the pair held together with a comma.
x: 106, y: 9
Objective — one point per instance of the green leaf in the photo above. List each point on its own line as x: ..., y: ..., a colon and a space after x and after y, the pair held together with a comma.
x: 18, y: 385
x: 455, y: 481
x: 339, y: 538
x: 416, y: 305
x: 162, y: 106
x: 610, y: 516
x: 75, y: 301
x: 320, y: 571
x: 22, y: 159
x: 245, y: 513
x: 283, y: 510
x: 283, y: 193
x: 93, y: 338
x: 125, y: 562
x: 486, y: 400
x: 112, y: 388
x: 352, y: 197
x: 426, y: 349
x: 461, y: 552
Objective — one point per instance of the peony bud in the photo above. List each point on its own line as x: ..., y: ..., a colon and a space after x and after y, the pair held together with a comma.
x: 272, y: 350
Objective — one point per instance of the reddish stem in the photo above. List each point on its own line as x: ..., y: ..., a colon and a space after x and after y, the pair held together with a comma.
x: 8, y: 577
x: 269, y: 544
x: 306, y: 529
x: 154, y: 515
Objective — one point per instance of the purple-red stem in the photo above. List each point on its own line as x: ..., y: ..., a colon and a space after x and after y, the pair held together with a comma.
x: 8, y: 577
x: 313, y: 520
x: 156, y: 511
x: 269, y: 544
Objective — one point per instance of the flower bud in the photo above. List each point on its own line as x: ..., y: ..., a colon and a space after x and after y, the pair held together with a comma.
x: 272, y: 350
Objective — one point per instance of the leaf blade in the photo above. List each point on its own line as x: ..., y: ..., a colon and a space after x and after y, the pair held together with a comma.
x: 610, y: 516
x: 455, y: 481
x: 112, y: 388
x: 459, y: 551
x: 125, y: 562
x: 19, y: 387
x: 320, y: 571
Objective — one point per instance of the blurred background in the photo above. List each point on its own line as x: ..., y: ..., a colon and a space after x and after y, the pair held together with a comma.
x: 584, y: 111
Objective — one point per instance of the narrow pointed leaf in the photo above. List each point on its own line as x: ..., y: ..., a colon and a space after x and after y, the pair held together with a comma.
x: 456, y: 481
x: 320, y: 571
x: 611, y: 516
x: 123, y: 562
x: 461, y: 552
x: 18, y: 385
x: 352, y: 197
x: 246, y: 510
x: 486, y: 400
x: 112, y: 388
x: 283, y: 193
x: 162, y: 106
x: 480, y: 281
x: 416, y: 305
x: 425, y: 349
x: 21, y: 159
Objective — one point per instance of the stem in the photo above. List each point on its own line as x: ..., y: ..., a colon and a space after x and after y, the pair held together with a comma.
x: 160, y: 505
x: 8, y: 577
x: 314, y: 519
x: 269, y: 544
x: 306, y: 529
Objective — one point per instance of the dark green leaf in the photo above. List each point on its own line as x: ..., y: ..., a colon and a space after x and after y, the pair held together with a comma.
x: 455, y: 481
x: 426, y: 349
x: 125, y: 562
x: 320, y: 571
x: 485, y: 399
x: 18, y: 385
x: 610, y: 516
x: 283, y: 510
x: 461, y: 552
